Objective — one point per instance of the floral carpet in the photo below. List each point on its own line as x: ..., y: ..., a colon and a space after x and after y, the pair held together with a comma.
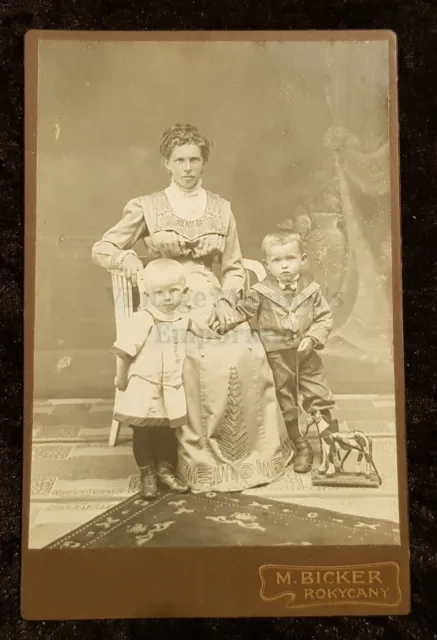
x: 213, y: 519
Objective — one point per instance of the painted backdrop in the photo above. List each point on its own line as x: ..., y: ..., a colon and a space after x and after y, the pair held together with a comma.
x: 299, y: 134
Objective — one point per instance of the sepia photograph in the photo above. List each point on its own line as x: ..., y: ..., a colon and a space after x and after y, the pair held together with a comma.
x: 214, y: 319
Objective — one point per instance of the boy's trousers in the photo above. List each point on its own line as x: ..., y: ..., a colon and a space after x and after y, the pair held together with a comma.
x: 313, y: 385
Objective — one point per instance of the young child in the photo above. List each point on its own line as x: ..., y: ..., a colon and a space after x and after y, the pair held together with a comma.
x: 149, y: 393
x: 294, y: 322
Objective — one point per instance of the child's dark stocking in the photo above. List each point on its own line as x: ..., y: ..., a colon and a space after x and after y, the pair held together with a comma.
x: 165, y: 450
x: 143, y: 454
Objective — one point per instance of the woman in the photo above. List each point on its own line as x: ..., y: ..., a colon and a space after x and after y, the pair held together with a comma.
x: 235, y: 438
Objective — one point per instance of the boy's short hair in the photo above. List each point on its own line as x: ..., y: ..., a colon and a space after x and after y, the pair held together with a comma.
x: 281, y: 238
x: 163, y: 269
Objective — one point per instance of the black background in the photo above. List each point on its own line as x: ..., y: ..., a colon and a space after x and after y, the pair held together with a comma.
x: 415, y: 23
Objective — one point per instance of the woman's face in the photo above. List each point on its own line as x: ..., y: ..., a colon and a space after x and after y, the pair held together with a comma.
x: 186, y: 165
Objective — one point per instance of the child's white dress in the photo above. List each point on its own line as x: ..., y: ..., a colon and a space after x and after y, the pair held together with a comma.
x: 155, y: 348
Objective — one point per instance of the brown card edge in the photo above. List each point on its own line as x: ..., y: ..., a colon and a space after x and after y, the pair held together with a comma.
x: 48, y: 588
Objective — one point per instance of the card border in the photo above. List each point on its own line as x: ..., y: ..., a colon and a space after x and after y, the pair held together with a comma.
x: 208, y: 582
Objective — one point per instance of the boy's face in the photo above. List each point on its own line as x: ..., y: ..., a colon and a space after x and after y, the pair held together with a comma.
x: 284, y: 261
x: 166, y: 295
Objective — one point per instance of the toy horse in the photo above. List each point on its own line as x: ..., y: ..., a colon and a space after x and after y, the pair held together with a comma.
x: 333, y: 443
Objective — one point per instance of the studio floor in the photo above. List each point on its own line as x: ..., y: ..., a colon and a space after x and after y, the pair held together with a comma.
x: 77, y: 476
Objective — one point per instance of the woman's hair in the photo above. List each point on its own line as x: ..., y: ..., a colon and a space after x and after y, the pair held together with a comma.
x: 180, y: 134
x: 281, y: 237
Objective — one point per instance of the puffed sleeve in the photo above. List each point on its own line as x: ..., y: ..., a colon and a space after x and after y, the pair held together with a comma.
x: 121, y: 237
x: 132, y: 335
x: 233, y: 275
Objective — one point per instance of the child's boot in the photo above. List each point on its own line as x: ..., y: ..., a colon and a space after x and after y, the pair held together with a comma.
x: 148, y: 482
x: 303, y: 460
x: 169, y: 479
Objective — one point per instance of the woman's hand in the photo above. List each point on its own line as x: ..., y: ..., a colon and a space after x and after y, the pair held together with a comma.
x: 222, y: 317
x: 132, y: 267
x: 203, y: 331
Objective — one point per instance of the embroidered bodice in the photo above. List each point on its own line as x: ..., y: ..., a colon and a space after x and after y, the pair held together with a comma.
x: 171, y: 234
x: 197, y: 228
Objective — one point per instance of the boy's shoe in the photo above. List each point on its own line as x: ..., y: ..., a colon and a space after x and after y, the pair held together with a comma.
x: 303, y: 453
x: 304, y: 456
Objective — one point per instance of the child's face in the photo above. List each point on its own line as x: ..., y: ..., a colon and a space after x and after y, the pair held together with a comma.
x: 166, y: 295
x: 284, y: 261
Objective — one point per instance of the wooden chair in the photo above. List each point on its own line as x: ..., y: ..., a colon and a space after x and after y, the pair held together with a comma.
x: 125, y: 303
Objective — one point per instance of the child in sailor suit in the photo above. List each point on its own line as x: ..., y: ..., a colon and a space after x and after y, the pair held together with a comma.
x: 294, y: 322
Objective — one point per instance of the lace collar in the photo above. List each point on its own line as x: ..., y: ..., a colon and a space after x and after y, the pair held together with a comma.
x: 179, y: 193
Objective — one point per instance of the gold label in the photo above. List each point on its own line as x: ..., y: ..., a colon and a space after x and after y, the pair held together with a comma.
x: 374, y: 584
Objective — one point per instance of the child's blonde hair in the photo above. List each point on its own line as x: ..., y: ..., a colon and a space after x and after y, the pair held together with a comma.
x: 281, y: 238
x: 163, y: 269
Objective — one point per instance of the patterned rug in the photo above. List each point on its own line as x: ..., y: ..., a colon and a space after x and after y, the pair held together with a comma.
x: 212, y: 519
